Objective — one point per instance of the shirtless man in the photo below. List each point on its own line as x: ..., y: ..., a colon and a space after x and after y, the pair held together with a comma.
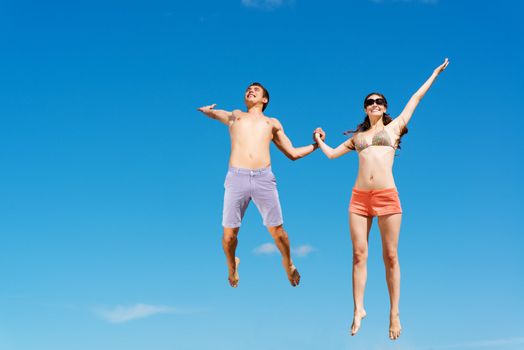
x: 250, y: 176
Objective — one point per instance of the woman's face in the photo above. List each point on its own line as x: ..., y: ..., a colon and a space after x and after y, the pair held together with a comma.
x: 375, y: 106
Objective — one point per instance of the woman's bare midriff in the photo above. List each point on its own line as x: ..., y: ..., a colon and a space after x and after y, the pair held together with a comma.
x: 375, y: 168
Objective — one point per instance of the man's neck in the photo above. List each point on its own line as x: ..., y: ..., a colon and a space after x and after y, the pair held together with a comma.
x: 255, y: 110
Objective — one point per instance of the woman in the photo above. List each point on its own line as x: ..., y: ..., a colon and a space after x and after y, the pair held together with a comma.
x: 376, y: 139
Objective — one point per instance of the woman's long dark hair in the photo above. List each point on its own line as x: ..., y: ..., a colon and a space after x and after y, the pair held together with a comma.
x: 386, y: 119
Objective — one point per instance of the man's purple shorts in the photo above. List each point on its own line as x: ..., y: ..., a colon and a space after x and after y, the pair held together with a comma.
x: 241, y: 186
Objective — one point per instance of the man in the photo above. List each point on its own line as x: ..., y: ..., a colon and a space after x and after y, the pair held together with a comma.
x: 250, y: 176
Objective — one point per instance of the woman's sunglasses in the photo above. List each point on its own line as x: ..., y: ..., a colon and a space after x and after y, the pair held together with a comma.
x: 378, y: 101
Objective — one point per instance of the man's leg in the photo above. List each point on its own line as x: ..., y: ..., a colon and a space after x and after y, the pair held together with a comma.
x: 282, y: 242
x: 236, y: 200
x: 229, y: 243
x: 266, y: 199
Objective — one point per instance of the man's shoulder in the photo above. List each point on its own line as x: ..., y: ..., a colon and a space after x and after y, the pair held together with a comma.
x: 237, y: 114
x: 271, y: 119
x: 275, y: 122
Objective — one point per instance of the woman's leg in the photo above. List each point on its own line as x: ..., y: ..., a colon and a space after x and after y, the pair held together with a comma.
x: 359, y: 227
x: 389, y: 230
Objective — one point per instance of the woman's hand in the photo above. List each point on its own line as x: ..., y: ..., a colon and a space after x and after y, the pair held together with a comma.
x: 441, y: 68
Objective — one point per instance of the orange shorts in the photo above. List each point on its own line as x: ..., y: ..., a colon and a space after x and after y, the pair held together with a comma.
x: 375, y: 202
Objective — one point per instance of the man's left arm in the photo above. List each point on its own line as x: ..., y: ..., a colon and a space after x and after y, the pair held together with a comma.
x: 284, y: 143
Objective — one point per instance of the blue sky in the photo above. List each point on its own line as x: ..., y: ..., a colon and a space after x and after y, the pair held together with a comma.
x: 111, y: 183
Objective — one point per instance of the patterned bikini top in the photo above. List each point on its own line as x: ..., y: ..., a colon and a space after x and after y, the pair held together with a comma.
x: 381, y: 138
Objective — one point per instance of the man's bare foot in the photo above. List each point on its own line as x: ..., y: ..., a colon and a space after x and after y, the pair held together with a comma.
x: 292, y: 275
x: 233, y: 274
x: 357, y: 318
x: 394, y: 326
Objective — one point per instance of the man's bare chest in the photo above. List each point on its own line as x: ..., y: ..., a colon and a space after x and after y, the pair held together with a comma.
x: 252, y: 127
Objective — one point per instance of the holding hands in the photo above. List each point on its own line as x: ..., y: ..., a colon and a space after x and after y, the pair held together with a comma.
x: 319, y: 134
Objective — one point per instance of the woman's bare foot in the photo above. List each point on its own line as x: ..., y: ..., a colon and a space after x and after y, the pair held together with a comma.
x: 233, y: 274
x: 357, y: 318
x: 394, y: 326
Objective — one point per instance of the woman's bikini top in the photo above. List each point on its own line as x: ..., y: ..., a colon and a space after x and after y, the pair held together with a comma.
x: 381, y: 138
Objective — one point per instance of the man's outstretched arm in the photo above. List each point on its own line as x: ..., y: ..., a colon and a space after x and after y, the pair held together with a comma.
x: 222, y: 116
x: 284, y: 143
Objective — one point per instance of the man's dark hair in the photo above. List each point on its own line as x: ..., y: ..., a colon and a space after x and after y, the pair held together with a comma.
x: 266, y: 93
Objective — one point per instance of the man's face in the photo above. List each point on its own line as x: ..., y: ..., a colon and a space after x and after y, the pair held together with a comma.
x: 254, y: 94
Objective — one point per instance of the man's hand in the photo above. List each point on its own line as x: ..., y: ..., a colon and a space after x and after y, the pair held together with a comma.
x: 321, y: 133
x: 222, y: 116
x: 207, y: 109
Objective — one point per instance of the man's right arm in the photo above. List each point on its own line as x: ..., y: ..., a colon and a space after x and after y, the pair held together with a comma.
x: 222, y: 116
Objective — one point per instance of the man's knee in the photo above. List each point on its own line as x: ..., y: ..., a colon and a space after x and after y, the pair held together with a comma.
x: 277, y: 232
x: 230, y: 236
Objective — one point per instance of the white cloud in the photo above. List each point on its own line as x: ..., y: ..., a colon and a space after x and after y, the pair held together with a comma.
x: 266, y: 248
x: 483, y: 344
x: 120, y: 314
x: 265, y: 4
x: 270, y: 248
x: 302, y: 250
